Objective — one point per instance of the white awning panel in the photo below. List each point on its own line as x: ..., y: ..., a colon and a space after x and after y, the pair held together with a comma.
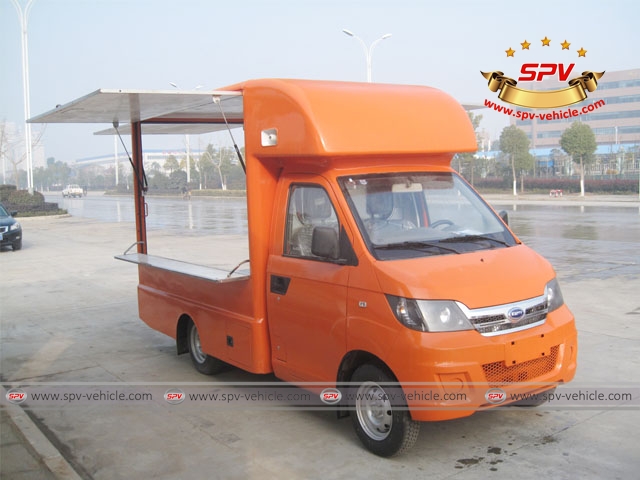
x: 150, y: 107
x: 171, y: 128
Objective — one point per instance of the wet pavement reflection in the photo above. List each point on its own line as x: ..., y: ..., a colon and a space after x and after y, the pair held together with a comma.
x: 198, y: 216
x: 579, y: 241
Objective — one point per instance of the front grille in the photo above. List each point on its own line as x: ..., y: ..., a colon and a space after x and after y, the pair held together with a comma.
x: 480, y: 321
x: 491, y: 321
x: 498, y: 374
x: 4, y: 229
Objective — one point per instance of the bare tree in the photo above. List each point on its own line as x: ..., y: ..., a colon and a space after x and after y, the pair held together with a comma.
x: 9, y: 153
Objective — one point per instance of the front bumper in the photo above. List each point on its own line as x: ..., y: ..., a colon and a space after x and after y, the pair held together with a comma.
x: 10, y: 237
x: 451, y: 375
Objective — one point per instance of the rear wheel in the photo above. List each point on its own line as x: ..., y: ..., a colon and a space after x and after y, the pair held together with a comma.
x: 381, y: 421
x: 203, y: 363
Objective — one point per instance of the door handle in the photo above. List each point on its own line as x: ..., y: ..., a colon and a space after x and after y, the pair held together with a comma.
x: 279, y: 284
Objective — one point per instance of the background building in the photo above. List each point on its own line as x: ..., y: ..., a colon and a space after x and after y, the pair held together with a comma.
x: 616, y: 126
x: 615, y: 123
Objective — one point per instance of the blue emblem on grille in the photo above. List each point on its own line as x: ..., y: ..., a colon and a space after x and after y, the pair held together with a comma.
x: 515, y: 314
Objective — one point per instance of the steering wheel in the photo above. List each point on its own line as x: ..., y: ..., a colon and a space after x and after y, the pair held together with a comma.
x: 438, y: 223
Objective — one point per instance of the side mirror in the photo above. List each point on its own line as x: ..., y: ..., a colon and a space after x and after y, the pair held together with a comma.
x: 504, y: 216
x: 14, y: 213
x: 324, y: 243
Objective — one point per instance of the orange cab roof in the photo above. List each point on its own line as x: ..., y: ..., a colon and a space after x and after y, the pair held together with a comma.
x: 345, y: 118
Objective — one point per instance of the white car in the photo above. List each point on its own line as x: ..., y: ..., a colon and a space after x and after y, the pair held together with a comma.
x: 72, y: 191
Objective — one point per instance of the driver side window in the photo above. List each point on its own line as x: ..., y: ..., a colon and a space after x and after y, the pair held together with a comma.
x: 309, y: 207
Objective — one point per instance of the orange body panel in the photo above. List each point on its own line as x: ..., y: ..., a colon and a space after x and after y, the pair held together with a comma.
x: 219, y: 309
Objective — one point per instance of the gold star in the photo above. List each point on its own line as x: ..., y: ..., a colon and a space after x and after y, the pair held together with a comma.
x: 510, y: 52
x: 565, y: 45
x: 546, y: 41
x: 582, y: 52
x: 525, y: 45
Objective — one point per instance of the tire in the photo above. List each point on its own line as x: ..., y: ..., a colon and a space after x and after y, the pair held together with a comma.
x: 384, y: 426
x: 202, y: 362
x: 17, y: 245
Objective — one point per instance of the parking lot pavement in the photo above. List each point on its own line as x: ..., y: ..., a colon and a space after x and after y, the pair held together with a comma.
x: 16, y: 459
x: 69, y: 316
x: 26, y: 453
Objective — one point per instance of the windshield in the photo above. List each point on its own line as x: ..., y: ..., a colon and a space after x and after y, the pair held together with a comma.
x: 418, y: 214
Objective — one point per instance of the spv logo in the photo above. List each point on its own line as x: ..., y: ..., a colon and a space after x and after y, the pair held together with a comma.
x: 16, y: 396
x: 537, y: 71
x: 540, y: 71
x: 331, y: 396
x: 495, y: 395
x: 174, y: 396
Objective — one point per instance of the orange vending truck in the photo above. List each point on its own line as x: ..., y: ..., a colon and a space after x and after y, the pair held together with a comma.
x: 374, y: 266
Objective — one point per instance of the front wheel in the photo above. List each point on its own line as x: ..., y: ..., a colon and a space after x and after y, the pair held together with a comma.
x: 381, y: 419
x: 203, y: 363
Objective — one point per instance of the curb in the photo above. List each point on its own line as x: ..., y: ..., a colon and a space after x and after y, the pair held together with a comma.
x: 37, y: 443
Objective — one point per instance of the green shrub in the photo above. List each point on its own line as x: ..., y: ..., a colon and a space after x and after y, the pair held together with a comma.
x: 26, y: 204
x: 566, y: 184
x: 5, y: 191
x: 24, y: 198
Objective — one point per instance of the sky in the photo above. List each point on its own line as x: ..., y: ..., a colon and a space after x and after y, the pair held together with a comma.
x: 79, y: 46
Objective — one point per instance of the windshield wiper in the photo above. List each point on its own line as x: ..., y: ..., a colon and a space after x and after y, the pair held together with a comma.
x: 420, y: 246
x: 474, y: 238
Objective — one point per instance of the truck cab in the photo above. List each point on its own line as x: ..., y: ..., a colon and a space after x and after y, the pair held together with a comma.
x: 403, y: 274
x: 375, y: 269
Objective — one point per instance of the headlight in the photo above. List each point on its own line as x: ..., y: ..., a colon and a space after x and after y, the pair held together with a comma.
x: 15, y: 226
x: 407, y: 312
x: 554, y: 295
x: 429, y: 315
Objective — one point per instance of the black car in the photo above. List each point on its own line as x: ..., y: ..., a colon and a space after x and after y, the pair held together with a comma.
x: 10, y: 230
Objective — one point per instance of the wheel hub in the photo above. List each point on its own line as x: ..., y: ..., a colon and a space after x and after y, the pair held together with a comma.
x: 196, y: 349
x: 374, y: 410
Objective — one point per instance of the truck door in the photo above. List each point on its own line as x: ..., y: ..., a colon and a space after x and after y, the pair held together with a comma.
x: 307, y: 293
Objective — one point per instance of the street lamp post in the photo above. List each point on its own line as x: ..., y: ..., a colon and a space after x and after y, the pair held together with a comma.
x: 24, y: 19
x: 186, y: 138
x: 367, y: 51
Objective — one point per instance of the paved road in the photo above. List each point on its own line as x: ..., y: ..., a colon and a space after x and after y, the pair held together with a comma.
x: 69, y: 314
